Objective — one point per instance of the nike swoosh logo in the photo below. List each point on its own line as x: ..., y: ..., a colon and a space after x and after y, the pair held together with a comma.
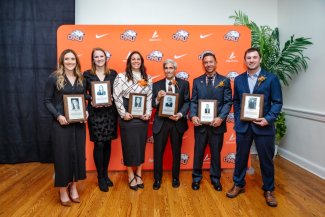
x: 153, y: 77
x: 179, y: 56
x: 100, y: 36
x: 204, y: 36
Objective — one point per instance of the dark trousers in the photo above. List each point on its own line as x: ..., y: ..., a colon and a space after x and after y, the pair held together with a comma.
x: 265, y: 149
x: 160, y: 141
x: 202, y: 138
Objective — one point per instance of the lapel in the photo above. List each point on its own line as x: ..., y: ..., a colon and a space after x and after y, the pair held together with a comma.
x: 163, y: 85
x: 245, y: 82
x: 262, y: 73
x: 178, y: 85
x: 202, y: 85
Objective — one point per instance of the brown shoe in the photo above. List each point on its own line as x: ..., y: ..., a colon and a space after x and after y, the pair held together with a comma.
x: 270, y: 198
x: 234, y: 191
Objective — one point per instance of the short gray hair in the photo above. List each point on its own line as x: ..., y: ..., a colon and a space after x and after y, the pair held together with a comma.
x: 170, y: 61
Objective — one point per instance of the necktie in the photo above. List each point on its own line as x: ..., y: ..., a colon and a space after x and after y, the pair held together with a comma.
x: 210, y: 87
x: 170, y: 89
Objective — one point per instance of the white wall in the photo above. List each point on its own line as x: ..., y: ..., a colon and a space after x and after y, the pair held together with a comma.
x: 304, y: 99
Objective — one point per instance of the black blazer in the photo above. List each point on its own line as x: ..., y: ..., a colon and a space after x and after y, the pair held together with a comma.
x: 182, y: 88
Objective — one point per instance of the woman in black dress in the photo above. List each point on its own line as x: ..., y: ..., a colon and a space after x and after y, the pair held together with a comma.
x: 102, y: 121
x: 68, y: 139
x: 133, y: 130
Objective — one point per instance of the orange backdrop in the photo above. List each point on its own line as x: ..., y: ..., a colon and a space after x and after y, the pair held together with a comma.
x: 184, y: 44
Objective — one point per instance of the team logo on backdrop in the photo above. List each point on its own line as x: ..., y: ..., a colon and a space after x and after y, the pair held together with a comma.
x: 231, y: 139
x: 155, y: 55
x: 230, y: 117
x: 155, y: 36
x: 181, y: 35
x: 108, y: 55
x: 182, y: 75
x: 230, y: 158
x: 232, y: 58
x: 204, y: 52
x: 232, y: 36
x: 129, y: 35
x: 184, y: 158
x: 206, y: 158
x: 232, y: 75
x: 76, y: 35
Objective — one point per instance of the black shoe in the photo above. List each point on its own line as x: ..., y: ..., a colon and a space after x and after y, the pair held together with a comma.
x: 133, y: 187
x: 175, y: 183
x: 140, y: 185
x: 109, y: 182
x: 195, y: 185
x: 102, y: 185
x: 217, y: 185
x: 156, y: 185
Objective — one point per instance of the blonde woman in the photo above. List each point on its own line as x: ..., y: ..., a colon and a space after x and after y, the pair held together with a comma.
x: 68, y: 139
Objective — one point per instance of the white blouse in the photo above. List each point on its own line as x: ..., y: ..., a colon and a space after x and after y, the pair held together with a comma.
x: 123, y: 88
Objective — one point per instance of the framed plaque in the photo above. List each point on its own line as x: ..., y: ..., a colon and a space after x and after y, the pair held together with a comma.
x: 168, y: 105
x: 101, y: 93
x: 251, y: 107
x: 137, y: 104
x: 207, y: 110
x: 74, y: 108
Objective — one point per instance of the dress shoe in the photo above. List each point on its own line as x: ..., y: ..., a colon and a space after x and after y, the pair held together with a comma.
x: 195, y: 185
x: 270, y: 198
x: 76, y: 199
x: 217, y: 185
x: 175, y: 183
x: 133, y: 187
x: 156, y: 185
x: 234, y: 191
x: 102, y: 184
x: 109, y: 182
x: 64, y: 203
x: 140, y: 178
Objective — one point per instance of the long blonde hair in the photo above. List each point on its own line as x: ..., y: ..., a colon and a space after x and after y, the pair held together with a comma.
x: 60, y: 72
x: 93, y: 65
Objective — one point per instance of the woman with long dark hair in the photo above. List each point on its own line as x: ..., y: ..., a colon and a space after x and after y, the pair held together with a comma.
x: 133, y: 130
x: 102, y: 121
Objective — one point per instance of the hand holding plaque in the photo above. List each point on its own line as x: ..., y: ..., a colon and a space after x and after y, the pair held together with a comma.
x: 101, y: 93
x: 137, y: 104
x: 251, y: 107
x: 168, y: 105
x: 74, y: 108
x: 207, y: 111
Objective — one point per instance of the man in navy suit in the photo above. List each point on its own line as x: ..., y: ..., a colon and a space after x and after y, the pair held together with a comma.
x: 262, y: 131
x: 210, y: 86
x: 173, y: 126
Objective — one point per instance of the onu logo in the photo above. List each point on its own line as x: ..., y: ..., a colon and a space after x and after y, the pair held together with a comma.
x: 184, y: 158
x: 76, y: 35
x: 230, y: 158
x: 155, y: 55
x: 230, y: 117
x: 129, y: 35
x: 181, y: 35
x: 232, y: 75
x: 232, y: 36
x: 204, y: 52
x: 108, y: 55
x: 182, y: 75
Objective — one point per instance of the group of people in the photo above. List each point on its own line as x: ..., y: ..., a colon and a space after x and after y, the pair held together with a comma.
x: 68, y: 139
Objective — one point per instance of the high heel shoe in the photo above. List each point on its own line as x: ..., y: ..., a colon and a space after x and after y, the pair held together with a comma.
x: 76, y: 199
x: 133, y: 187
x: 140, y: 185
x: 64, y: 203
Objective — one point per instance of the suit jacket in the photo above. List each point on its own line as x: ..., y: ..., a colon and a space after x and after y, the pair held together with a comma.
x: 222, y: 94
x: 182, y: 89
x: 271, y: 89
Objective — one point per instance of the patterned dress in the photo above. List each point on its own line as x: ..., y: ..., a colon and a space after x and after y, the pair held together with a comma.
x: 134, y: 131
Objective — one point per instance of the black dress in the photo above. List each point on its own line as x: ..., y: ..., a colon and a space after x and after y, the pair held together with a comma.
x: 68, y: 141
x: 102, y: 122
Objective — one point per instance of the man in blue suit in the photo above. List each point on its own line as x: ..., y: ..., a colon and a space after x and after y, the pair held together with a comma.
x: 209, y: 86
x: 261, y: 130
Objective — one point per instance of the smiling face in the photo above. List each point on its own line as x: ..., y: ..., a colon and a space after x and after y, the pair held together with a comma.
x: 210, y: 64
x: 69, y: 61
x: 169, y: 70
x: 99, y: 58
x: 253, y: 61
x: 136, y: 62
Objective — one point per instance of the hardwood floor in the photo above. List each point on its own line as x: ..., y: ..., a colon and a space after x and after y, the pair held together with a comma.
x: 27, y: 190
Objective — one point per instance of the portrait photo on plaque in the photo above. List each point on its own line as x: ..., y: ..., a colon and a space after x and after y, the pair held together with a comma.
x: 101, y: 93
x: 207, y: 111
x: 74, y: 108
x: 137, y: 104
x: 251, y: 107
x: 169, y: 105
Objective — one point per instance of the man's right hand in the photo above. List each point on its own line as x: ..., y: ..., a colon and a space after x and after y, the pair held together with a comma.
x: 196, y: 121
x: 161, y: 94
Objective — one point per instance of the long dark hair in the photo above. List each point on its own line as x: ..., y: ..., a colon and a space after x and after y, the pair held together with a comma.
x: 128, y: 68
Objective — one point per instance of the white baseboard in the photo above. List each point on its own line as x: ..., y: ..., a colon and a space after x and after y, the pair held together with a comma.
x: 303, y: 163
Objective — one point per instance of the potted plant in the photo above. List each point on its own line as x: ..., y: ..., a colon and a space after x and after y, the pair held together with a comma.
x: 284, y: 62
